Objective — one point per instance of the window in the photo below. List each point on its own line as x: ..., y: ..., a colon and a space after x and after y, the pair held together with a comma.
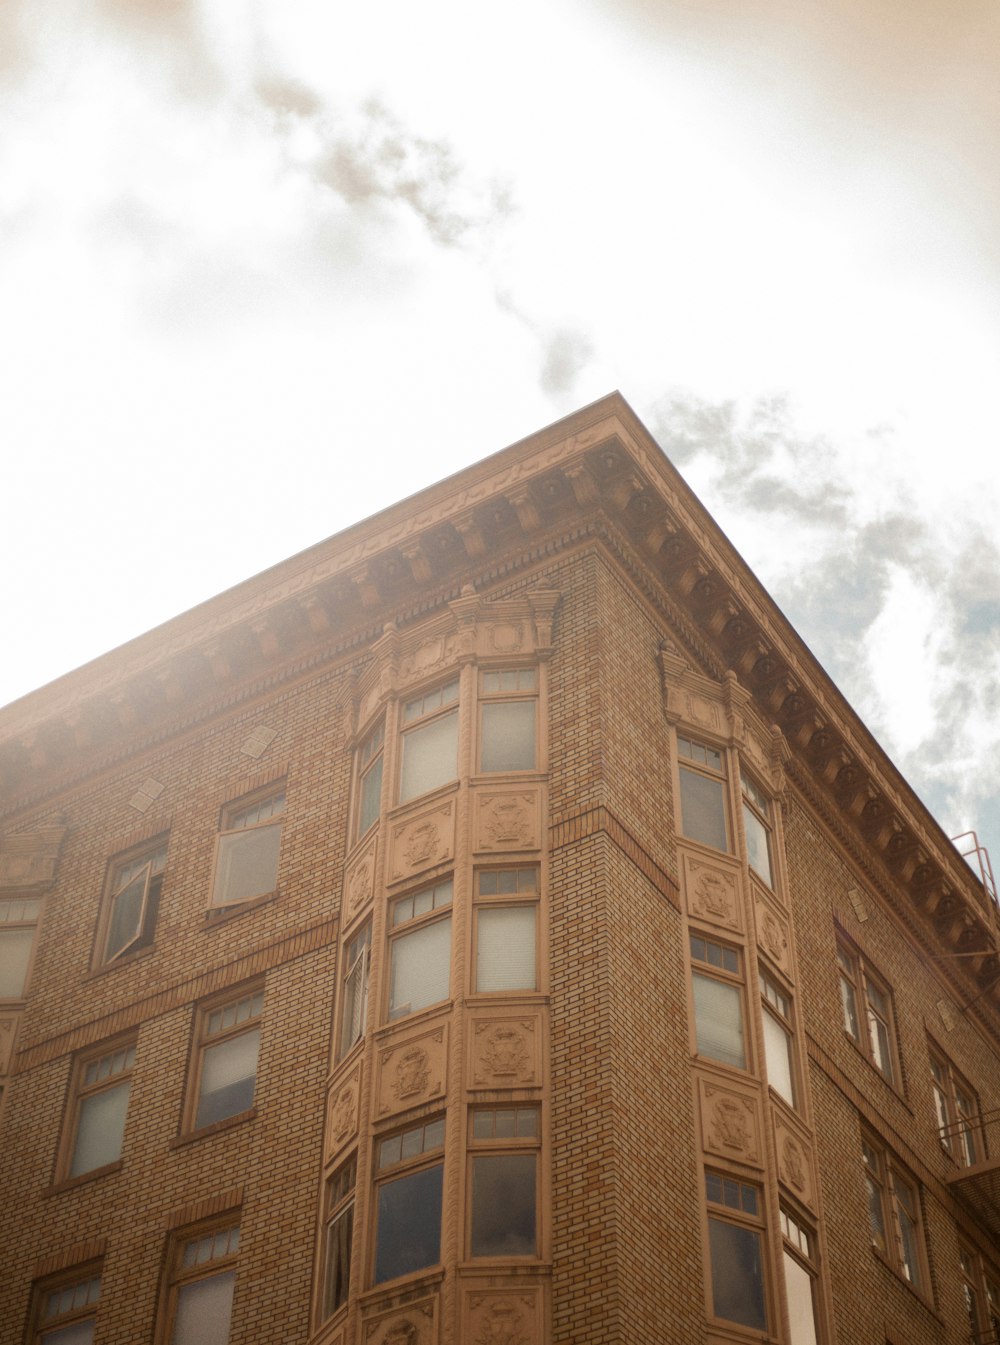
x: 981, y: 1302
x: 133, y: 900
x: 736, y: 1251
x: 64, y: 1310
x: 503, y: 1180
x: 246, y: 860
x: 201, y: 1276
x: 718, y: 1002
x: 18, y: 922
x: 356, y: 965
x: 420, y: 949
x: 957, y: 1109
x: 894, y: 1212
x: 409, y: 1169
x: 370, y: 756
x: 101, y: 1087
x: 757, y: 828
x: 860, y: 987
x: 430, y: 741
x: 228, y: 1042
x: 506, y: 929
x: 801, y: 1276
x: 779, y: 1049
x: 508, y: 716
x: 338, y: 1239
x: 703, y: 793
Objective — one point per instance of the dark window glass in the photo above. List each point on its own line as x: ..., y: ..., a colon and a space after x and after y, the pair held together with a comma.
x: 503, y: 1205
x: 737, y: 1274
x: 408, y: 1236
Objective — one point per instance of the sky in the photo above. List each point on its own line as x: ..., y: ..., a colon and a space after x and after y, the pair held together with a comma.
x: 267, y: 266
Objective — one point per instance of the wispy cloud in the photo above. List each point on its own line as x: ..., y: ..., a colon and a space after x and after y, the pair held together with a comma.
x: 900, y: 604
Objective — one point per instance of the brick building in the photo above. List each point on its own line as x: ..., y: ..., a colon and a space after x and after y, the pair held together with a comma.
x: 489, y: 927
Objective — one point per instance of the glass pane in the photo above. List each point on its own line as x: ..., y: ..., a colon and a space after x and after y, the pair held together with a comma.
x: 849, y: 1009
x: 371, y: 798
x: 758, y: 845
x: 339, y: 1237
x: 801, y: 1309
x: 228, y: 1075
x: 203, y: 1311
x: 778, y: 1052
x: 718, y: 1018
x: 879, y: 1034
x: 703, y: 809
x: 505, y: 948
x: 503, y: 1205
x: 79, y: 1333
x: 247, y: 865
x: 99, y: 1130
x: 737, y: 1274
x: 430, y: 756
x: 875, y: 1214
x: 126, y: 915
x: 509, y: 736
x: 15, y: 952
x: 408, y: 1236
x: 421, y: 966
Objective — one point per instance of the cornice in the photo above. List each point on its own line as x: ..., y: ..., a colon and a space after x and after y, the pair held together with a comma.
x: 598, y: 470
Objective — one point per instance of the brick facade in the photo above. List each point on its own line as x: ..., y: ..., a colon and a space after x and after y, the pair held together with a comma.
x: 607, y: 970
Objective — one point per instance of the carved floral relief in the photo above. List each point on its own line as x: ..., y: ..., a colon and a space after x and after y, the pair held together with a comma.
x: 794, y: 1162
x: 416, y: 1324
x: 502, y: 1317
x: 712, y: 892
x: 360, y: 883
x: 507, y: 820
x: 412, y: 1071
x: 772, y: 934
x: 342, y: 1111
x: 423, y: 841
x: 730, y: 1123
x: 504, y: 1053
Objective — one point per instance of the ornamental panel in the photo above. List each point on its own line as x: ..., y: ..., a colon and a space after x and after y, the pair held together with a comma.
x: 8, y: 1031
x: 421, y: 842
x: 795, y: 1161
x: 359, y: 880
x: 431, y: 654
x: 416, y: 1324
x: 495, y: 1316
x: 772, y: 933
x: 412, y: 1071
x: 342, y: 1111
x: 712, y: 891
x: 30, y: 859
x: 505, y: 1052
x: 699, y: 711
x: 507, y: 819
x: 730, y: 1122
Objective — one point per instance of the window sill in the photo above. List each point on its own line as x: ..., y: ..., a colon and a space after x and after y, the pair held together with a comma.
x: 221, y: 915
x: 428, y: 1278
x: 227, y: 1123
x: 439, y: 1009
x: 71, y: 1183
x: 126, y: 960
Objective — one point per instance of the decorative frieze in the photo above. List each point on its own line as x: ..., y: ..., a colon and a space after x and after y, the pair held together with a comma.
x: 412, y: 1071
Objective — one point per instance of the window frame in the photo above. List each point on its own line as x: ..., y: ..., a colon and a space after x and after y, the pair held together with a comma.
x: 205, y: 1038
x: 82, y: 1090
x: 758, y: 807
x: 858, y: 982
x: 367, y: 768
x: 229, y: 827
x: 429, y: 1156
x: 20, y: 920
x: 177, y: 1277
x: 398, y: 933
x: 339, y: 1204
x: 960, y: 1127
x: 784, y: 1019
x: 700, y: 767
x: 123, y: 873
x: 753, y: 1222
x: 520, y: 898
x: 510, y: 695
x: 80, y: 1280
x: 719, y: 972
x: 361, y: 965
x: 885, y: 1178
x: 433, y: 713
x: 502, y: 1146
x: 795, y: 1231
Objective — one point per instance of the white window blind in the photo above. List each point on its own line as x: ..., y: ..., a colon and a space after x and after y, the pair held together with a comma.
x: 421, y: 965
x: 505, y: 952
